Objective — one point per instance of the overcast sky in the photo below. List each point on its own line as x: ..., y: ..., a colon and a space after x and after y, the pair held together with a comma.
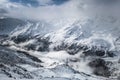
x: 58, y: 9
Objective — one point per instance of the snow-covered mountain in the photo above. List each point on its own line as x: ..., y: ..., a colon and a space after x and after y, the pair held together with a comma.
x: 63, y: 47
x: 76, y: 49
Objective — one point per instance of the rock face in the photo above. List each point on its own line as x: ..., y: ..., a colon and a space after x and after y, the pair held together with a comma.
x: 100, y: 67
x: 10, y: 60
x: 20, y: 39
x: 100, y: 53
x: 12, y: 57
x: 70, y: 48
x: 16, y: 70
x: 41, y: 44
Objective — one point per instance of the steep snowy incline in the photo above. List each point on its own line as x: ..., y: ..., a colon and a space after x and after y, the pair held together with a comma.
x: 77, y: 45
x: 84, y: 33
x: 84, y: 45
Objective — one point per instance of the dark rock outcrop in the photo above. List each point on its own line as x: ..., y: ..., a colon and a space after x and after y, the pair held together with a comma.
x: 100, y: 67
x: 72, y: 49
x: 20, y: 38
x: 40, y: 44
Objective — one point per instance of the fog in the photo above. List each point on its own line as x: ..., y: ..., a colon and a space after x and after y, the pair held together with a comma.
x: 100, y: 15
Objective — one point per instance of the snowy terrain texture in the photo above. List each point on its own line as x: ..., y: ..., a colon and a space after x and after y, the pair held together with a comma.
x: 77, y: 40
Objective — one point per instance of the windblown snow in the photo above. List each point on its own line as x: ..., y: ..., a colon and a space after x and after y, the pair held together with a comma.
x: 79, y: 40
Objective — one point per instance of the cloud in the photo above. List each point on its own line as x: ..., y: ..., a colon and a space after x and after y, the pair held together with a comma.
x: 48, y: 12
x: 72, y: 9
x: 3, y: 1
x: 100, y: 14
x: 45, y: 2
